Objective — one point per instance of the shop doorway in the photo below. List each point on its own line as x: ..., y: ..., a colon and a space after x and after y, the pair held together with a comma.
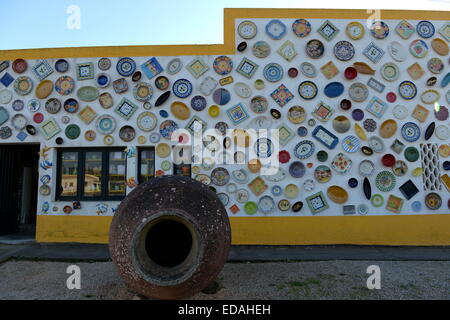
x: 18, y: 190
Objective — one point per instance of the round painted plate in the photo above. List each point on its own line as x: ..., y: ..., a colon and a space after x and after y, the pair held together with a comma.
x: 64, y: 85
x: 358, y: 92
x: 220, y: 176
x: 105, y: 124
x: 259, y: 104
x: 143, y: 91
x: 167, y: 127
x: 275, y: 29
x: 366, y: 168
x: 351, y: 144
x: 53, y: 105
x: 250, y: 207
x: 19, y: 65
x: 433, y: 201
x: 385, y: 181
x: 72, y: 131
x: 425, y: 29
x: 247, y: 29
x: 344, y: 50
x: 104, y: 64
x: 71, y: 105
x: 297, y: 169
x: 34, y: 105
x: 264, y: 147
x: 266, y: 204
x: 400, y: 112
x: 223, y: 65
x: 410, y: 132
x: 126, y: 67
x: 379, y: 30
x: 90, y: 135
x: 296, y: 114
x: 61, y: 65
x: 18, y: 105
x: 354, y: 30
x: 273, y: 72
x: 307, y: 90
x: 390, y: 71
x: 102, y: 80
x: 127, y: 133
x: 19, y: 121
x: 301, y: 27
x: 221, y: 96
x: 435, y: 65
x: 377, y: 200
x: 182, y: 88
x: 442, y: 132
x: 407, y: 90
x: 261, y: 49
x: 146, y: 121
x: 23, y: 85
x: 315, y: 49
x: 411, y: 154
x: 322, y: 174
x: 44, y: 190
x: 304, y: 149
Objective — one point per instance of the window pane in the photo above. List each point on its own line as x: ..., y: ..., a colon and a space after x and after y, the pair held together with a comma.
x: 182, y: 170
x: 117, y: 172
x: 147, y: 164
x: 93, y: 174
x: 69, y: 174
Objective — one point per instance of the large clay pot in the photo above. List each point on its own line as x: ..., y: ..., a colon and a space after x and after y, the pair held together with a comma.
x: 170, y: 237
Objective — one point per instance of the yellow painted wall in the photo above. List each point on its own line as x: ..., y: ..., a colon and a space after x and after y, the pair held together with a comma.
x: 391, y: 229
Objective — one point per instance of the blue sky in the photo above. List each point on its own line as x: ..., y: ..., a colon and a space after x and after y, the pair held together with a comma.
x: 43, y: 23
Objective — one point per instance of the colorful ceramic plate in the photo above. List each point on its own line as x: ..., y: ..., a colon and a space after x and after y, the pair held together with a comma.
x: 307, y: 90
x: 385, y: 181
x: 410, y: 132
x: 273, y: 72
x: 304, y: 149
x: 247, y: 29
x: 407, y: 90
x: 72, y: 131
x: 146, y: 121
x: 344, y: 50
x: 182, y: 88
x: 64, y: 85
x: 126, y: 67
x: 105, y: 124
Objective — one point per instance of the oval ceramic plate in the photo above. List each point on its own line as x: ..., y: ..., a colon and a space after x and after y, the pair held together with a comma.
x: 87, y: 93
x: 242, y: 90
x: 376, y: 144
x: 304, y: 149
x: 174, y: 66
x: 308, y: 69
x: 430, y: 96
x: 397, y: 51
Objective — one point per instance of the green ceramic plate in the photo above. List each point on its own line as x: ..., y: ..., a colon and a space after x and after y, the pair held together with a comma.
x: 377, y: 200
x: 250, y: 207
x: 411, y: 154
x: 72, y: 131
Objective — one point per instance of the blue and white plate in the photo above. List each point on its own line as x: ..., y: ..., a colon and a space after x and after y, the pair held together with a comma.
x: 126, y: 67
x: 304, y: 149
x: 425, y: 29
x: 351, y: 144
x: 407, y: 90
x: 264, y: 147
x: 198, y: 103
x: 410, y: 132
x: 182, y: 88
x: 105, y: 124
x: 277, y: 190
x: 344, y: 50
x: 276, y: 29
x: 273, y: 72
x: 266, y: 204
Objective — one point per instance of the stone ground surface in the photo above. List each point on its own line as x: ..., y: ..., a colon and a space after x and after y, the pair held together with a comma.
x: 271, y: 280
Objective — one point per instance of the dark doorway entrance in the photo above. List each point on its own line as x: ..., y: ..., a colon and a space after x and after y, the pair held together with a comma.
x: 18, y: 188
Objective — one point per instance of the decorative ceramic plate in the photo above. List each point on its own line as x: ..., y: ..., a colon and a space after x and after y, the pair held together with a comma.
x: 174, y: 66
x: 146, y: 121
x: 266, y: 204
x: 5, y: 96
x: 296, y: 114
x: 259, y: 104
x: 273, y: 72
x: 126, y: 67
x: 104, y: 64
x: 242, y: 195
x: 264, y: 147
x: 341, y: 163
x: 385, y: 181
x: 90, y: 135
x: 442, y: 132
x: 275, y: 29
x: 397, y: 51
x: 53, y: 105
x: 425, y: 29
x: 182, y: 88
x: 308, y: 69
x: 410, y: 132
x: 247, y: 29
x: 418, y: 48
x: 301, y: 27
x: 88, y: 93
x: 242, y: 90
x: 19, y: 121
x: 23, y: 85
x: 400, y: 112
x: 304, y: 149
x: 376, y: 144
x: 223, y: 65
x: 297, y: 169
x: 154, y: 137
x: 105, y: 124
x: 64, y: 85
x: 167, y: 127
x: 407, y: 90
x: 366, y: 168
x: 34, y: 105
x: 142, y: 91
x: 240, y: 175
x: 71, y: 105
x: 358, y: 92
x: 430, y: 96
x: 127, y: 133
x: 44, y: 190
x: 435, y: 65
x: 351, y: 144
x: 18, y: 105
x: 377, y: 200
x: 390, y: 71
x: 379, y: 30
x: 72, y: 131
x: 355, y: 30
x: 344, y: 50
x: 433, y: 201
x: 322, y: 173
x: 307, y: 90
x: 315, y: 49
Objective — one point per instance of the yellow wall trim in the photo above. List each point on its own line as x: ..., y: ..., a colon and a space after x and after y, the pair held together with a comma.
x: 425, y: 230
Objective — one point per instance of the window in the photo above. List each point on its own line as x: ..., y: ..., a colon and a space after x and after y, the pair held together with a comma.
x: 146, y: 160
x: 91, y: 174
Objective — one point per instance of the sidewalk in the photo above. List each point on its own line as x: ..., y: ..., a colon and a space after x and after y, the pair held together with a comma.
x: 99, y: 252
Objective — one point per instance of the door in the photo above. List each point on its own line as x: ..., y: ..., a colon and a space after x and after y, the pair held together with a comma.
x: 18, y: 187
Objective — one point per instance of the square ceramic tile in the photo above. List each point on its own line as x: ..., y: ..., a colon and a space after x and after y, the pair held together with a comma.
x: 85, y: 71
x: 282, y: 95
x: 341, y: 163
x: 328, y: 30
x: 6, y: 79
x: 151, y: 68
x: 284, y: 134
x: 377, y: 107
x: 408, y: 189
x: 404, y: 29
x: 42, y: 69
x: 394, y: 204
x: 445, y: 31
x: 126, y: 108
x: 197, y: 67
x: 4, y: 115
x: 234, y: 209
x: 287, y: 50
x: 196, y: 125
x: 247, y: 68
x: 237, y: 113
x: 87, y: 114
x: 322, y: 112
x: 373, y: 52
x: 317, y: 202
x: 397, y: 146
x: 420, y: 113
x: 49, y: 128
x: 257, y: 186
x: 415, y: 71
x: 329, y: 70
x: 348, y: 209
x: 22, y: 136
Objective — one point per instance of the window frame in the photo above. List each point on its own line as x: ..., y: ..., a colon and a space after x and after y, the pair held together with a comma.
x: 81, y: 166
x: 140, y: 150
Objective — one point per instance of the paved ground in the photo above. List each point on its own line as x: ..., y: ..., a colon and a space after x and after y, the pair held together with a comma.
x: 271, y: 280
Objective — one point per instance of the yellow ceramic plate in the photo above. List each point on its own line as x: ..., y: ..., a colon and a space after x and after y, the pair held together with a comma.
x: 214, y: 111
x: 337, y: 194
x: 163, y: 150
x: 388, y: 128
x: 355, y: 30
x: 180, y: 110
x: 44, y: 89
x: 360, y: 132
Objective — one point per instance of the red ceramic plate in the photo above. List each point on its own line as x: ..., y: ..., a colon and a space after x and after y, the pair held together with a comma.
x: 284, y: 156
x: 391, y: 97
x: 19, y: 65
x: 292, y: 72
x: 38, y: 117
x: 388, y: 160
x: 350, y: 73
